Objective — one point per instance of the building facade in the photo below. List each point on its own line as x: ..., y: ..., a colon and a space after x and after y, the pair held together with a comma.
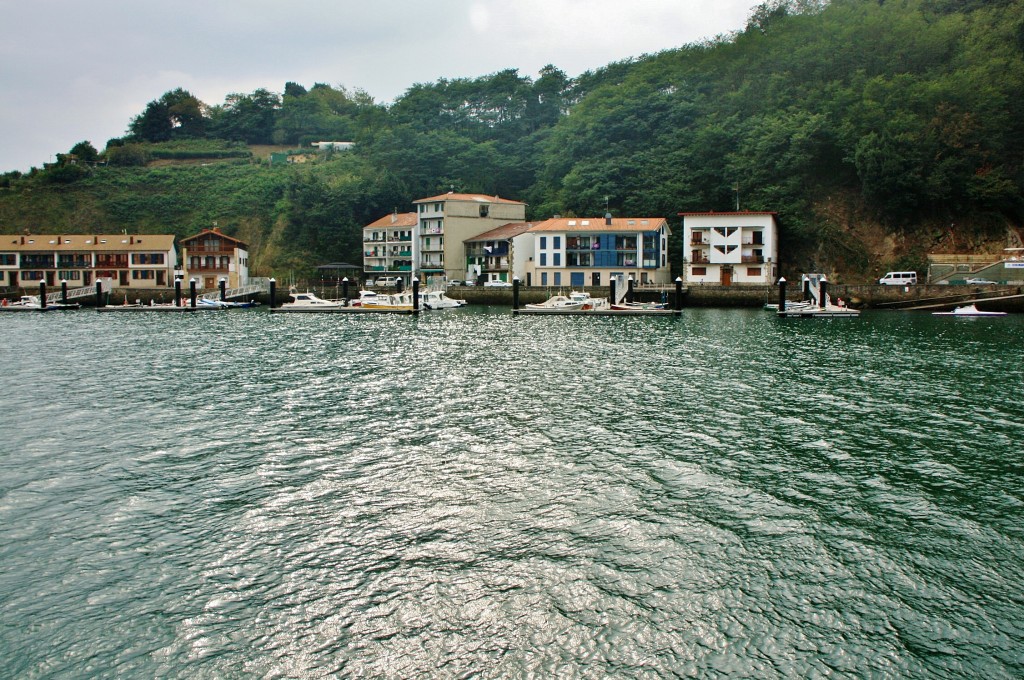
x: 445, y: 222
x: 129, y: 261
x: 210, y: 256
x: 730, y: 248
x: 592, y: 251
x: 387, y: 247
x: 500, y: 254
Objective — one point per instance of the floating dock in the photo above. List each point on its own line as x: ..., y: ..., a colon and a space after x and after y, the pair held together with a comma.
x: 597, y: 312
x: 343, y: 310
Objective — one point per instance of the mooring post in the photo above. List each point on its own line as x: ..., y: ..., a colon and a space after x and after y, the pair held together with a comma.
x: 64, y: 291
x: 415, y: 295
x: 515, y: 293
x: 344, y: 290
x: 679, y: 293
x: 273, y: 291
x: 398, y: 285
x: 782, y: 293
x: 822, y: 291
x: 42, y: 295
x: 611, y: 291
x: 177, y: 291
x: 99, y: 294
x: 223, y: 289
x: 192, y: 292
x: 629, y: 289
x: 807, y: 290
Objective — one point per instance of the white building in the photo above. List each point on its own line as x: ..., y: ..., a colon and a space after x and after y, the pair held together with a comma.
x: 730, y: 248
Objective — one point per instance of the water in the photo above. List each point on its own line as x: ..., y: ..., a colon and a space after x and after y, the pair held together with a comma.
x: 469, y: 494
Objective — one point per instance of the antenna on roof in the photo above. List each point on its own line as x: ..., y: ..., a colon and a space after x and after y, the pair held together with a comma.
x: 607, y: 213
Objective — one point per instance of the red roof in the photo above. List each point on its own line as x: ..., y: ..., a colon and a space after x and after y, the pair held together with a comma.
x: 474, y: 198
x: 394, y: 220
x: 601, y: 224
x: 216, y: 232
x: 505, y: 231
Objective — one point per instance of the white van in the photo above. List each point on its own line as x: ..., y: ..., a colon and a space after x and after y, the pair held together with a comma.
x: 898, y: 279
x: 386, y: 282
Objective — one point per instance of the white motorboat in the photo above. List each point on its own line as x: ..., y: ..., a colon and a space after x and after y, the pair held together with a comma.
x: 968, y: 310
x: 309, y: 301
x: 790, y: 304
x: 436, y: 299
x: 557, y: 302
x: 396, y: 302
x: 589, y: 303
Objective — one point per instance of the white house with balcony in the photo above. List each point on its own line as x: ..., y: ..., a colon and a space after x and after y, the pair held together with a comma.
x: 387, y: 246
x: 727, y: 248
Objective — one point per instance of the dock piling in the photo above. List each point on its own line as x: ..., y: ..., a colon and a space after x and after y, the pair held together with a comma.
x: 42, y: 295
x: 177, y: 291
x: 223, y: 289
x: 415, y: 295
x: 679, y: 293
x: 192, y: 292
x: 99, y: 294
x: 515, y: 293
x: 344, y: 290
x: 782, y: 293
x: 63, y: 291
x: 273, y: 291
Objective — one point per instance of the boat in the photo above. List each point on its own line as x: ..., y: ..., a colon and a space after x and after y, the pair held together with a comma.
x: 774, y: 306
x: 31, y: 303
x: 629, y: 306
x: 557, y: 302
x: 436, y: 299
x: 396, y: 302
x: 309, y: 301
x: 589, y: 303
x: 968, y: 310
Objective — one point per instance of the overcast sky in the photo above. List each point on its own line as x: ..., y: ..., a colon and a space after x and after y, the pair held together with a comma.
x: 74, y: 70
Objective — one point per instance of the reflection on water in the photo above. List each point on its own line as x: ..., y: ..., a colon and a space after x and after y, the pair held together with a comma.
x: 469, y: 493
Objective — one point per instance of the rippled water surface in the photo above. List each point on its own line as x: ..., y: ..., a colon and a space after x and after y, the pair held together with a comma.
x: 469, y: 494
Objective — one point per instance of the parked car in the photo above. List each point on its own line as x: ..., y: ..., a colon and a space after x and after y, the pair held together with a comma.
x: 386, y: 282
x: 455, y: 282
x: 496, y: 283
x: 979, y: 282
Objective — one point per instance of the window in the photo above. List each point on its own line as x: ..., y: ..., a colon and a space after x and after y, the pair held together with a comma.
x: 484, y: 209
x: 8, y: 259
x: 543, y: 278
x: 543, y: 242
x: 556, y: 242
x: 543, y: 259
x: 558, y: 278
x: 753, y: 271
x: 557, y: 259
x: 699, y: 271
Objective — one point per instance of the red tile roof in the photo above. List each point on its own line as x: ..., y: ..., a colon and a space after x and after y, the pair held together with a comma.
x: 505, y: 231
x: 600, y: 224
x: 395, y: 220
x: 474, y: 198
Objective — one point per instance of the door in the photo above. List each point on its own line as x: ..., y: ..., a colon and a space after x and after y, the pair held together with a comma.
x: 726, y: 276
x: 576, y: 279
x: 595, y: 278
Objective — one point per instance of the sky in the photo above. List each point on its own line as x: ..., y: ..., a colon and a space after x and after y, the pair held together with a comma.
x: 77, y: 70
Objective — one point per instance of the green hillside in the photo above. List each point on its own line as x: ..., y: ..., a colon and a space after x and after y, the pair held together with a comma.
x: 879, y: 131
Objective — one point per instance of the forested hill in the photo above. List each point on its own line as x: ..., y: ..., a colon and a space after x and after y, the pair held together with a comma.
x: 879, y: 131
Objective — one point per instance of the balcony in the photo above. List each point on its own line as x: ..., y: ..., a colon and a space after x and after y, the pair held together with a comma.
x: 751, y: 259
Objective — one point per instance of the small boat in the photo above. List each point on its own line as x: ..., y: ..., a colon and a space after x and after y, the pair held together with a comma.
x: 589, y: 303
x: 436, y: 299
x: 629, y: 306
x: 558, y: 302
x: 774, y: 306
x: 31, y: 303
x: 396, y: 302
x: 968, y: 310
x: 304, y: 301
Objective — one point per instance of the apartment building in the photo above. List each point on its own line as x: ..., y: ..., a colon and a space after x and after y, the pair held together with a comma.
x: 730, y: 248
x: 129, y: 261
x: 593, y: 251
x: 210, y: 256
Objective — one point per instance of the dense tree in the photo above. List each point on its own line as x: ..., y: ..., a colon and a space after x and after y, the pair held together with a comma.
x: 176, y: 115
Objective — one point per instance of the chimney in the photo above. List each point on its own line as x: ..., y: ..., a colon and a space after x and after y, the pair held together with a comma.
x: 608, y: 219
x: 131, y: 240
